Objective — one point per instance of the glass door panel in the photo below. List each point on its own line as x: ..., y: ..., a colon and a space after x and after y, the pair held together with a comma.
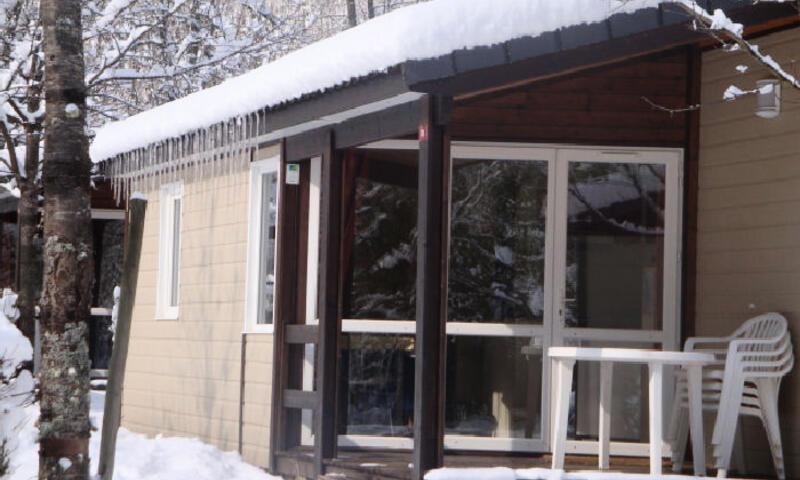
x: 498, y: 297
x: 615, y: 245
x: 617, y: 253
x: 494, y: 387
x: 379, y: 248
x: 381, y: 235
x: 497, y: 241
x: 377, y: 386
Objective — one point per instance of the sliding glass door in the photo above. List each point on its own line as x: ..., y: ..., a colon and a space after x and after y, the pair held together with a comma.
x: 547, y: 246
x: 501, y: 217
x: 616, y: 277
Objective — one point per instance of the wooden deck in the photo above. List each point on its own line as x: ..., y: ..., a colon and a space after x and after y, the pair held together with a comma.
x: 394, y: 465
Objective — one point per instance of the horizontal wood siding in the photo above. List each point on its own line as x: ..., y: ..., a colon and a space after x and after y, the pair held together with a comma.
x: 749, y: 220
x: 183, y: 376
x: 600, y: 107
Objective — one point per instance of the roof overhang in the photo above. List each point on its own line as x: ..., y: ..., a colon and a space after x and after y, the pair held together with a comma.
x: 474, y: 71
x: 556, y: 53
x: 468, y: 72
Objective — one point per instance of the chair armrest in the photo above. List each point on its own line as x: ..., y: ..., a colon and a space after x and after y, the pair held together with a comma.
x: 693, y: 342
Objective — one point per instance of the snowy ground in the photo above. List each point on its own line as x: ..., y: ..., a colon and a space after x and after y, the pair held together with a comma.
x: 139, y: 457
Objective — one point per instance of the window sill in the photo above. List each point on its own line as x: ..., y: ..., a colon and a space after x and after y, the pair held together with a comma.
x: 259, y: 330
x: 169, y: 316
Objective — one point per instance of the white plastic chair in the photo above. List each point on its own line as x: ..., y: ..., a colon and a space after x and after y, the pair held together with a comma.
x: 750, y: 365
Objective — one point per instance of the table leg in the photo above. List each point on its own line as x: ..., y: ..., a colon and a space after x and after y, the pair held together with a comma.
x: 656, y: 417
x: 694, y: 374
x: 604, y: 429
x: 563, y: 381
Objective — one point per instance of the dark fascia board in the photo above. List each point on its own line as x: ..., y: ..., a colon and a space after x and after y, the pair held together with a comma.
x: 313, y: 107
x: 393, y: 122
x: 623, y: 35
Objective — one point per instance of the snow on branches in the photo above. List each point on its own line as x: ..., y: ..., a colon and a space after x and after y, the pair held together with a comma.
x: 720, y: 25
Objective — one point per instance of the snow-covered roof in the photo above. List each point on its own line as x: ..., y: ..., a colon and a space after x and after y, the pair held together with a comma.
x: 425, y: 30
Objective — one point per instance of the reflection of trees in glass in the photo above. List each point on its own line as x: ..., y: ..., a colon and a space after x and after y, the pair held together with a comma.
x: 623, y: 202
x: 497, y: 241
x: 384, y: 252
x: 108, y: 239
x: 379, y: 389
x: 597, y: 189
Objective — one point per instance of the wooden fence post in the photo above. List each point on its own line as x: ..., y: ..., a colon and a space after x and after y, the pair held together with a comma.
x: 119, y: 355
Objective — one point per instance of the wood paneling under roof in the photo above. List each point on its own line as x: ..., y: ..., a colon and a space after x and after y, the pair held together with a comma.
x: 599, y: 107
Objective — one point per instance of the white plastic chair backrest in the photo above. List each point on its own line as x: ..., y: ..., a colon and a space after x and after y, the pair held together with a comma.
x: 762, y: 344
x: 760, y: 348
x: 764, y: 326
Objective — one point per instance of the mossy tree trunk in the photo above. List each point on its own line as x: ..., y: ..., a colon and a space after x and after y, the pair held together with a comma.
x: 64, y: 377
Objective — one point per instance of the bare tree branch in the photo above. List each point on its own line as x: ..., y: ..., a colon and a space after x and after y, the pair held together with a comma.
x: 671, y: 111
x: 12, y: 151
x: 720, y: 23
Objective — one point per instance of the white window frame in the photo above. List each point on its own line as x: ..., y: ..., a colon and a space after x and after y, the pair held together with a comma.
x: 257, y: 170
x: 166, y: 261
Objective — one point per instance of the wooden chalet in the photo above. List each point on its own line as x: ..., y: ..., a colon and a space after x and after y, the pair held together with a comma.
x: 403, y: 247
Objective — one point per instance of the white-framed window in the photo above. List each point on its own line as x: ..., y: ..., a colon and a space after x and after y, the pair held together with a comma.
x: 169, y: 253
x: 262, y: 245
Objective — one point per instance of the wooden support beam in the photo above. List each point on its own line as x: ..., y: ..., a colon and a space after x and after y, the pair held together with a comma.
x: 301, y: 334
x: 119, y: 355
x: 299, y: 399
x: 431, y: 287
x: 285, y: 310
x: 690, y: 194
x: 330, y: 323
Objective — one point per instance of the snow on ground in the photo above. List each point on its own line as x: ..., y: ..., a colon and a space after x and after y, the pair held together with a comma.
x: 139, y: 457
x: 14, y: 347
x: 15, y: 391
x: 423, y: 30
x: 502, y: 473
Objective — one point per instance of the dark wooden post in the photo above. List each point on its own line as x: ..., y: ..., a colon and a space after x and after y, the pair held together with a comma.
x: 119, y: 355
x: 281, y: 437
x: 328, y: 307
x: 431, y: 287
x: 690, y: 192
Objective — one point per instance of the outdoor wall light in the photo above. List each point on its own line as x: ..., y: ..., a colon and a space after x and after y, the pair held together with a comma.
x: 768, y: 98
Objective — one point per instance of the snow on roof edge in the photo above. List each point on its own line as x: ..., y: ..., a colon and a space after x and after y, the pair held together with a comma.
x: 420, y: 31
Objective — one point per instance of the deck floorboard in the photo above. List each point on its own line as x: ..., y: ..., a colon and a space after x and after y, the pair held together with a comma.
x: 394, y: 465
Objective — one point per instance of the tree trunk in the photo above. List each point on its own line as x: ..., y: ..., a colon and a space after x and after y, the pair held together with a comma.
x: 352, y: 19
x: 64, y: 377
x: 29, y: 245
x: 29, y: 256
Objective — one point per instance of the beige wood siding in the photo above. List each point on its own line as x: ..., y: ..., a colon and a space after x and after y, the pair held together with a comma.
x: 749, y: 219
x: 184, y: 376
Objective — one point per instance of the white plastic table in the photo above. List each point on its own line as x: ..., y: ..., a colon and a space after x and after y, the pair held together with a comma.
x: 564, y: 358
